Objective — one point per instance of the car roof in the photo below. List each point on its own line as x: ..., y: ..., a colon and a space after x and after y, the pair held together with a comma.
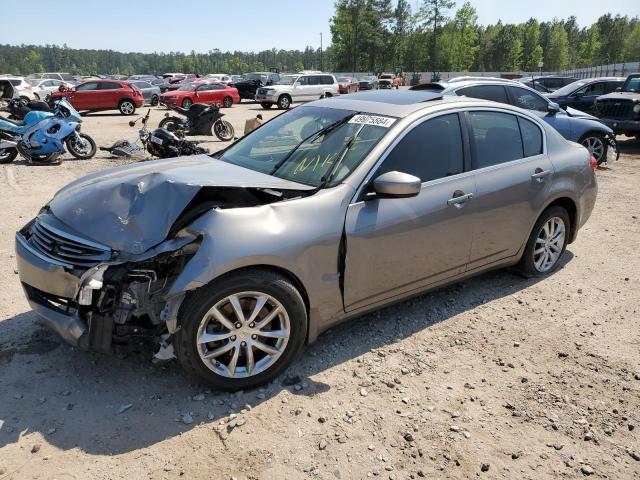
x: 399, y: 103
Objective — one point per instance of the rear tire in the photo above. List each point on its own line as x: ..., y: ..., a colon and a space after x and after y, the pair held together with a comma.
x: 8, y: 155
x: 81, y: 152
x: 227, y: 102
x: 258, y: 358
x: 170, y: 123
x: 545, y: 240
x: 223, y: 130
x: 127, y: 107
x: 155, y: 100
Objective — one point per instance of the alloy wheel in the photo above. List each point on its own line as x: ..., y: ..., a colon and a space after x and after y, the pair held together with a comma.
x: 595, y: 145
x: 127, y: 108
x: 549, y: 244
x: 243, y: 334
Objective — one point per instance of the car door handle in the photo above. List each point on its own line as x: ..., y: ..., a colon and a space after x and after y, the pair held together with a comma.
x: 540, y: 174
x: 459, y: 198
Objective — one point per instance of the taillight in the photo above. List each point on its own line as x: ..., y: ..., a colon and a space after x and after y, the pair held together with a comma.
x: 593, y: 163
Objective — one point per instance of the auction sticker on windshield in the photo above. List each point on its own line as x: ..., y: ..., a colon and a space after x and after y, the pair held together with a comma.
x: 377, y: 120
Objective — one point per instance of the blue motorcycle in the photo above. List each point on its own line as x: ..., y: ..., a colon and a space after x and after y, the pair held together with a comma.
x: 41, y: 136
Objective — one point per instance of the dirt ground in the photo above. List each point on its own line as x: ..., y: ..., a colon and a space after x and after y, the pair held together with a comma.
x: 495, y: 377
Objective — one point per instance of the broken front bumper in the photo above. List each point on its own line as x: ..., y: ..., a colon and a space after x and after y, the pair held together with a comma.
x: 50, y: 290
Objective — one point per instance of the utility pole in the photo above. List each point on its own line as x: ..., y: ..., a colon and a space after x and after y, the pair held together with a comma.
x: 321, y: 64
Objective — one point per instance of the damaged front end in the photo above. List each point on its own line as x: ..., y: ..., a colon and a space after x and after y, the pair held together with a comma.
x: 92, y: 296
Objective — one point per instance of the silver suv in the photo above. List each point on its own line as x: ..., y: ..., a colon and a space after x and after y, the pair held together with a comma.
x: 297, y: 88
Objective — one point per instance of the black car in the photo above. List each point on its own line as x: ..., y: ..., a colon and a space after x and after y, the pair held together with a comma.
x: 582, y: 94
x: 620, y: 110
x: 368, y: 83
x: 548, y: 83
x: 252, y: 81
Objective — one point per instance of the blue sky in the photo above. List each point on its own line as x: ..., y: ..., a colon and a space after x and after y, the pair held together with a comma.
x: 248, y: 25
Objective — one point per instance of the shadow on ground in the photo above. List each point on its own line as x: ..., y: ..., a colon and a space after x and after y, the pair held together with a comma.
x: 75, y: 398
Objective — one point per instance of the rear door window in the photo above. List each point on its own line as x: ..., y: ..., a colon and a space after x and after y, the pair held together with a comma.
x: 87, y: 86
x: 531, y: 137
x: 527, y: 99
x: 110, y: 86
x: 430, y: 151
x: 494, y: 93
x: 495, y: 138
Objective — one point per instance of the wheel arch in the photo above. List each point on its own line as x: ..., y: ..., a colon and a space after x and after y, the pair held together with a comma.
x: 571, y: 206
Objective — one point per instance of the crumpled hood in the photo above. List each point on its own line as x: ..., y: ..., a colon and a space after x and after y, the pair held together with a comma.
x: 572, y: 112
x: 132, y: 208
x: 629, y: 96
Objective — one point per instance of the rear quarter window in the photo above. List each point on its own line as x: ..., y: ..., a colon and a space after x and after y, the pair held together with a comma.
x: 531, y: 137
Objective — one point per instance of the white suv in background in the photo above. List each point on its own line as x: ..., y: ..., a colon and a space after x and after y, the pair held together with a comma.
x: 302, y: 87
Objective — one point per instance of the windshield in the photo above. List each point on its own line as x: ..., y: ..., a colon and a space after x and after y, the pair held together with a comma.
x: 287, y: 79
x: 34, y: 82
x: 291, y: 147
x: 187, y: 87
x: 344, y: 79
x: 256, y: 76
x: 632, y: 85
x: 567, y: 89
x: 368, y: 78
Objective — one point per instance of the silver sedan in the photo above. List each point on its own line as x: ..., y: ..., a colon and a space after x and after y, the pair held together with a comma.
x: 326, y: 212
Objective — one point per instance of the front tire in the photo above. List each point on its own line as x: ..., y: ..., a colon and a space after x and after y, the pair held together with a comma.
x: 266, y: 105
x: 284, y: 102
x: 227, y: 102
x: 127, y: 107
x: 597, y: 145
x: 155, y: 100
x: 186, y: 103
x: 82, y: 147
x: 240, y: 331
x: 547, y: 243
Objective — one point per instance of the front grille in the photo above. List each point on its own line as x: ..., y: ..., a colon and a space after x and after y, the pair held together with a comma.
x: 615, y: 109
x: 65, y: 247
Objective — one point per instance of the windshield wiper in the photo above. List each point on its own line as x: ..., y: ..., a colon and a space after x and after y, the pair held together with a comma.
x: 312, y: 137
x: 343, y: 153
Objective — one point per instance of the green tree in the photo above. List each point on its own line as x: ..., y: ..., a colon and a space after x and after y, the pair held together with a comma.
x: 557, y: 51
x: 632, y: 44
x: 465, y: 42
x: 590, y: 47
x: 434, y: 14
x: 531, y: 48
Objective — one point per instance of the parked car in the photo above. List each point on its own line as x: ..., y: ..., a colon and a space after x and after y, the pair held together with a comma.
x: 347, y: 85
x: 252, y: 81
x: 235, y: 79
x: 297, y: 88
x: 201, y: 92
x: 150, y: 93
x: 43, y: 86
x: 547, y: 83
x: 98, y: 95
x: 326, y: 212
x: 16, y: 87
x: 582, y: 94
x: 369, y: 82
x: 572, y: 124
x: 218, y: 77
x: 387, y: 80
x: 63, y: 76
x: 620, y: 110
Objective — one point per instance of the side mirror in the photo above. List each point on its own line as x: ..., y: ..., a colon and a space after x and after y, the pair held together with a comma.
x: 618, y: 89
x: 553, y: 108
x: 397, y: 185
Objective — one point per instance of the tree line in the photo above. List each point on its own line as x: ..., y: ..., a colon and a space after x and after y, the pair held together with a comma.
x: 26, y: 59
x: 369, y: 35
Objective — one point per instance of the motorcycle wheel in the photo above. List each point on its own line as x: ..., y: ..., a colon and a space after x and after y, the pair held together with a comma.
x: 170, y: 123
x: 8, y: 155
x: 223, y: 130
x: 82, y: 147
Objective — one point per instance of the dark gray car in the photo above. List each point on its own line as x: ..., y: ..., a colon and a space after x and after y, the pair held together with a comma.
x: 328, y: 211
x: 151, y: 93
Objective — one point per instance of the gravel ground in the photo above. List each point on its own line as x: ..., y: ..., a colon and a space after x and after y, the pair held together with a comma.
x: 495, y: 377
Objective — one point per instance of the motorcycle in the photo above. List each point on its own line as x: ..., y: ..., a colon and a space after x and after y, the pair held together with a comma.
x: 201, y: 120
x: 159, y: 143
x: 40, y: 138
